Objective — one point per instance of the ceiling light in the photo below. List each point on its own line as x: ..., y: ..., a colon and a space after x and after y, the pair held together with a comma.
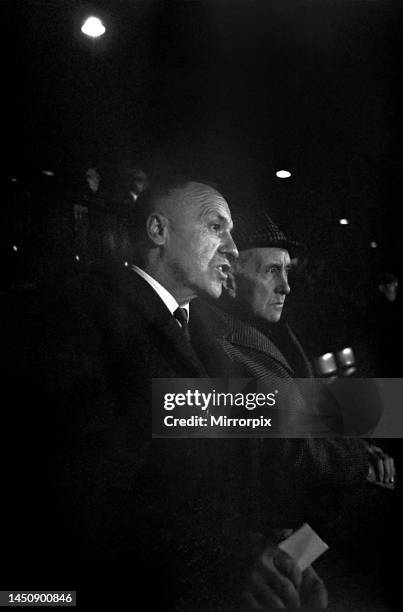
x: 283, y: 173
x: 93, y: 27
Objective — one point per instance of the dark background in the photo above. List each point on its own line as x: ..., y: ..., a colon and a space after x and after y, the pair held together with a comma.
x: 233, y: 90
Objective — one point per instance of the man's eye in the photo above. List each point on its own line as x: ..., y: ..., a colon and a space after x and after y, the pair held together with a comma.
x: 215, y: 227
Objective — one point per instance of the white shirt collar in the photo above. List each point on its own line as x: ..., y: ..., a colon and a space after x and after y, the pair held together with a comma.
x: 164, y: 294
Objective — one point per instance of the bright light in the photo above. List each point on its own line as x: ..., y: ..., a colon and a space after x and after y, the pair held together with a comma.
x: 93, y: 27
x: 15, y: 248
x: 344, y: 221
x: 283, y: 174
x: 77, y: 258
x: 48, y: 172
x: 126, y: 264
x: 374, y: 245
x: 13, y: 179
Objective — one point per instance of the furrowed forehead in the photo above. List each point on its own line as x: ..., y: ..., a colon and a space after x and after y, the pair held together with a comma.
x: 203, y: 199
x: 196, y: 200
x: 207, y: 200
x: 273, y: 256
x: 216, y: 209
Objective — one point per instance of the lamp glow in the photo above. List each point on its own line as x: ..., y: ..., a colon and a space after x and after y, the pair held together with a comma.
x: 283, y: 173
x: 93, y: 27
x: 344, y: 221
x: 373, y: 244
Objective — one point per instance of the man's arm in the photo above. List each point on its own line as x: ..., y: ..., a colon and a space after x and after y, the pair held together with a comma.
x: 322, y: 461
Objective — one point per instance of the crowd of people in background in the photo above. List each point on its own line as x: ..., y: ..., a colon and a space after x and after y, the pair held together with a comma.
x: 63, y: 224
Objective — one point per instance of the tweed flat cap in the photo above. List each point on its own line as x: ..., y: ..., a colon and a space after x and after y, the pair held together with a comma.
x: 259, y: 231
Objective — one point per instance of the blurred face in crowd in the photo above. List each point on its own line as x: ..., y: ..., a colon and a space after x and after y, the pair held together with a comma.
x: 93, y: 179
x: 390, y: 290
x: 197, y: 244
x: 137, y: 182
x: 262, y: 282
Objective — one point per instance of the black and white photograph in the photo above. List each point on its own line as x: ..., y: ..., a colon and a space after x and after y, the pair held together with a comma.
x: 202, y: 351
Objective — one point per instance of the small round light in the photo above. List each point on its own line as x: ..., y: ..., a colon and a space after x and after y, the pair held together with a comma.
x: 283, y: 174
x: 93, y: 27
x: 126, y: 264
x: 344, y: 221
x: 48, y: 172
x: 373, y: 245
x: 77, y: 258
x: 15, y: 248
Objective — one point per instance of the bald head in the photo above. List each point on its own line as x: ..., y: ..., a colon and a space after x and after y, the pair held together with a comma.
x: 169, y: 197
x: 186, y: 239
x: 192, y: 198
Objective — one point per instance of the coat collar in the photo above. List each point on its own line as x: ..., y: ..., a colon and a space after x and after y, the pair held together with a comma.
x: 144, y: 299
x: 243, y: 333
x: 207, y: 327
x: 206, y: 314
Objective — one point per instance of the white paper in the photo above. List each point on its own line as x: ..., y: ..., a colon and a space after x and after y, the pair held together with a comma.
x: 304, y: 546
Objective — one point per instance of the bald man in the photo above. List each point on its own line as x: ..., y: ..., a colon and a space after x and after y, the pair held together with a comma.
x: 121, y: 515
x: 118, y: 509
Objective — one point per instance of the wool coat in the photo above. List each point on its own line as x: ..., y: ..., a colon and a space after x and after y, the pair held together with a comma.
x: 108, y: 505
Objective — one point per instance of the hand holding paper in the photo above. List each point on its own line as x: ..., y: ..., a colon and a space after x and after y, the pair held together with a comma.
x: 304, y: 546
x: 283, y: 579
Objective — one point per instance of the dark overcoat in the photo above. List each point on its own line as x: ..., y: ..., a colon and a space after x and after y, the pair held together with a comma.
x: 296, y: 476
x: 107, y: 504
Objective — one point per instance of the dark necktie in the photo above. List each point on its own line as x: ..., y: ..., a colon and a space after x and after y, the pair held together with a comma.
x: 181, y: 315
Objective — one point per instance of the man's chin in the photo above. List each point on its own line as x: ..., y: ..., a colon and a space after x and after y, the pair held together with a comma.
x: 213, y: 291
x: 273, y: 317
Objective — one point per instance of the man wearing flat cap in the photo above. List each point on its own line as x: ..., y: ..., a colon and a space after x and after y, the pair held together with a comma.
x: 266, y: 349
x: 257, y: 291
x: 325, y: 481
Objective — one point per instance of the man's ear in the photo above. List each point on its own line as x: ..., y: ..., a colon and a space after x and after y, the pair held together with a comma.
x: 230, y: 284
x: 157, y: 226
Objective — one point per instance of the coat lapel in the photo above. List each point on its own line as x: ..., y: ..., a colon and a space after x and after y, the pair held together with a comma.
x: 144, y: 299
x: 207, y: 324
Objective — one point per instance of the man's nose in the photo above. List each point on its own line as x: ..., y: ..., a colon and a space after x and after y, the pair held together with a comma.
x: 283, y: 287
x: 229, y: 247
